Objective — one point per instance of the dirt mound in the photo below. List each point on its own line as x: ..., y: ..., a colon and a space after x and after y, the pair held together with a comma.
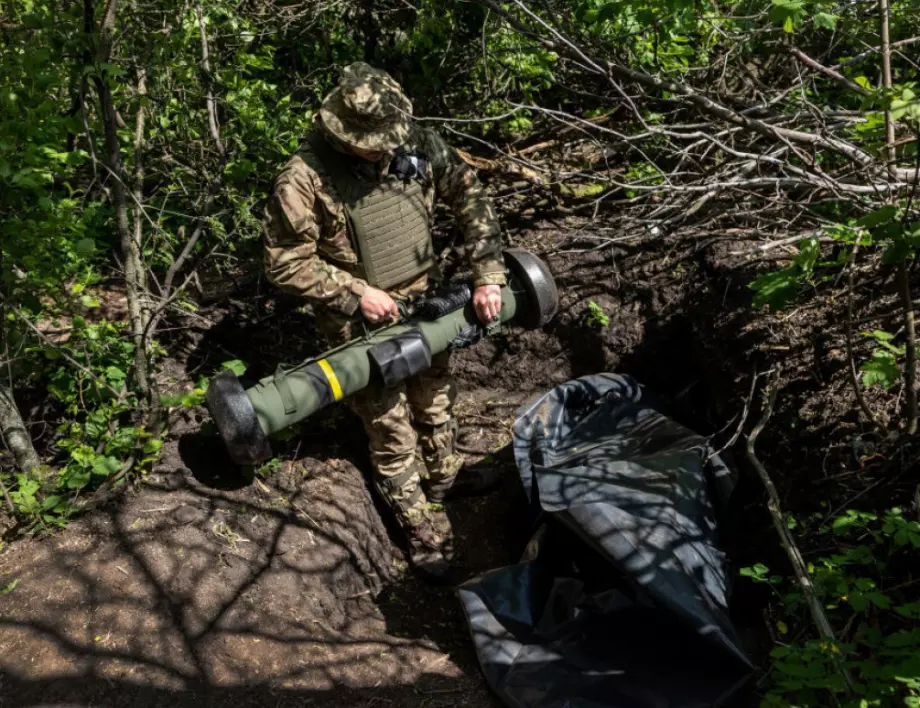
x: 185, y: 593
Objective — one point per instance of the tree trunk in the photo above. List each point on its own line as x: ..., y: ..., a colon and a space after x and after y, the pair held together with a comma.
x: 15, y: 434
x: 128, y: 237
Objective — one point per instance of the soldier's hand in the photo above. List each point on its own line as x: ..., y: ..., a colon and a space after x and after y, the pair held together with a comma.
x: 377, y: 306
x: 487, y: 301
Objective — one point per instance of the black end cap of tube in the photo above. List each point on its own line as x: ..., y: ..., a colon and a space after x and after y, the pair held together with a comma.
x: 534, y: 276
x: 236, y: 420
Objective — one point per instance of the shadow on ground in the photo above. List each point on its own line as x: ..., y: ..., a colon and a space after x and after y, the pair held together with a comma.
x: 286, y: 591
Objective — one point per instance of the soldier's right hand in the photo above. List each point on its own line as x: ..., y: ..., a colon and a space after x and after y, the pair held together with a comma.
x: 376, y: 306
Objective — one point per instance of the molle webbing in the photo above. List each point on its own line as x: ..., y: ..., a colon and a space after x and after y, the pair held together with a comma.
x: 388, y: 219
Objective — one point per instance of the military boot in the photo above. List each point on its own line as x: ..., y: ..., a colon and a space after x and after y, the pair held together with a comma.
x: 445, y: 477
x: 466, y: 482
x: 428, y: 533
x: 431, y: 546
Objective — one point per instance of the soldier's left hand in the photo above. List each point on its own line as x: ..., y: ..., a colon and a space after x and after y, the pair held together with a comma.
x: 487, y: 301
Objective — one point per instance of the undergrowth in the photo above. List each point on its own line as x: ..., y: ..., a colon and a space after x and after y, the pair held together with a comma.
x: 875, y: 660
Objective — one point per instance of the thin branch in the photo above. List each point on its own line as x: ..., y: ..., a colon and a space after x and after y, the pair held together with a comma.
x: 799, y: 567
x: 827, y: 71
x: 875, y: 50
x: 910, y: 360
x: 47, y: 341
x: 744, y: 415
x: 886, y: 83
x: 851, y: 368
x: 209, y: 94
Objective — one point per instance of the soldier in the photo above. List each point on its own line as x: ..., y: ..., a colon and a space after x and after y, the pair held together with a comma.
x: 348, y: 228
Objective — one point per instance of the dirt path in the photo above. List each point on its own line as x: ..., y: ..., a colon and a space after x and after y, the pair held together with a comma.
x: 286, y: 591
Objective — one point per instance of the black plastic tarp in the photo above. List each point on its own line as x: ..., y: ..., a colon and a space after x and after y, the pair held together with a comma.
x: 621, y: 597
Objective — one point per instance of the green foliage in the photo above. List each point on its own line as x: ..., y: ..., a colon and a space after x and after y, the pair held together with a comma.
x: 883, y: 368
x: 788, y: 13
x: 881, y: 644
x: 596, y: 316
x: 196, y: 396
x: 267, y: 469
x: 96, y: 436
x: 642, y: 174
x: 779, y: 288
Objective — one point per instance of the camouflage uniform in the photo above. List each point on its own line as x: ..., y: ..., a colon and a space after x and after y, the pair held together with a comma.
x: 309, y: 252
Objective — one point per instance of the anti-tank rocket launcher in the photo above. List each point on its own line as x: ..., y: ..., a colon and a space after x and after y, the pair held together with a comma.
x: 246, y: 417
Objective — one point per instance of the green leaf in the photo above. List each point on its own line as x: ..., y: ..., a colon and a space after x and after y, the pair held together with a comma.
x: 807, y: 257
x: 879, y: 600
x: 789, y: 25
x: 51, y: 502
x: 152, y: 446
x: 105, y: 466
x: 237, y: 366
x: 85, y: 246
x: 843, y: 523
x: 758, y: 571
x: 884, y: 341
x: 825, y: 20
x: 776, y: 289
x: 76, y: 478
x: 896, y: 252
x: 89, y: 301
x: 608, y: 11
x: 111, y: 70
x: 800, y: 670
x: 881, y: 370
x: 910, y: 610
x: 879, y: 216
x: 596, y: 315
x: 115, y: 375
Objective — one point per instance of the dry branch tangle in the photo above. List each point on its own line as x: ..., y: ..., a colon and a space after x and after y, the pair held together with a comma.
x: 758, y: 164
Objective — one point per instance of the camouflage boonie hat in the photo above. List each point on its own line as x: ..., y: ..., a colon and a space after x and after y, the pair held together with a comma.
x: 367, y: 110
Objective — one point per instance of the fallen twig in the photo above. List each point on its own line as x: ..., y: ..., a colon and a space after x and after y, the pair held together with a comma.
x: 744, y: 414
x: 770, y: 245
x: 800, y: 568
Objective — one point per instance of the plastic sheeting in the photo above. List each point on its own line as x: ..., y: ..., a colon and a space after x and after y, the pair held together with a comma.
x: 621, y: 597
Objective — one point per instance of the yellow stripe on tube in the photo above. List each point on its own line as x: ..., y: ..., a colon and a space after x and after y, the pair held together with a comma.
x: 332, y: 378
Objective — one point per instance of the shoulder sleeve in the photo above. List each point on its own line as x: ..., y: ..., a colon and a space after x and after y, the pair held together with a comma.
x: 456, y: 184
x: 291, y: 229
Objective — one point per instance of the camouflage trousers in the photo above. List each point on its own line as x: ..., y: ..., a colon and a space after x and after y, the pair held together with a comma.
x: 418, y: 413
x: 410, y: 428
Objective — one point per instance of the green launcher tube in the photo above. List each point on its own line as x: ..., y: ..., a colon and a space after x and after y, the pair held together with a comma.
x: 246, y: 417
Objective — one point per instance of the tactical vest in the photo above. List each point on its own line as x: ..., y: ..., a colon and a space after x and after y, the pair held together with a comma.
x: 388, y: 219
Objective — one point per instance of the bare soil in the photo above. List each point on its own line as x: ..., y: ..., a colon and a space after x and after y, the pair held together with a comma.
x: 199, y: 586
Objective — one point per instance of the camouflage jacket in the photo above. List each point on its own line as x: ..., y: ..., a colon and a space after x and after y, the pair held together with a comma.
x: 309, y: 252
